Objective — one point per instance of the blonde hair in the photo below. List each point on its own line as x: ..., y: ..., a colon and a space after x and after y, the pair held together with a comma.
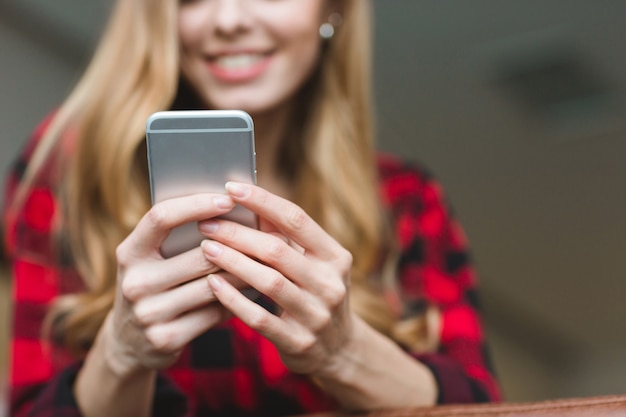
x: 134, y: 73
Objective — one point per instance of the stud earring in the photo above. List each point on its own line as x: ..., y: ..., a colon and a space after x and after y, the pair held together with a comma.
x: 327, y: 29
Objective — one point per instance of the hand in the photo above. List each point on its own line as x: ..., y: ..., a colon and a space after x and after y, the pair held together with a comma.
x: 293, y: 261
x: 162, y: 304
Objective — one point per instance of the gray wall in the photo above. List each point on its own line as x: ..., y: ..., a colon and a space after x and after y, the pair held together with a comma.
x: 536, y: 178
x: 539, y: 185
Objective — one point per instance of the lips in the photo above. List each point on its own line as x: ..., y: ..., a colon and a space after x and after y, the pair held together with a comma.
x: 238, y: 67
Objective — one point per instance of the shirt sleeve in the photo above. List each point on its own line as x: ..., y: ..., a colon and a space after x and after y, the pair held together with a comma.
x: 36, y: 283
x: 32, y: 287
x: 56, y: 397
x: 435, y: 269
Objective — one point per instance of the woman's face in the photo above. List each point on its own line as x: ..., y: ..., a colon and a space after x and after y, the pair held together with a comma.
x: 251, y: 55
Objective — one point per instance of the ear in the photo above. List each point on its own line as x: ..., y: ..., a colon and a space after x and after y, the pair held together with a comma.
x: 333, y: 7
x: 331, y: 17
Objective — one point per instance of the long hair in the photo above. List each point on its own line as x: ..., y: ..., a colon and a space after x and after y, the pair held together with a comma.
x: 105, y: 191
x: 336, y: 181
x: 135, y: 72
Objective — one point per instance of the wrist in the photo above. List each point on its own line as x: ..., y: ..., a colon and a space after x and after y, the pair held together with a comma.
x: 372, y: 372
x: 343, y: 364
x: 119, y: 361
x: 110, y: 384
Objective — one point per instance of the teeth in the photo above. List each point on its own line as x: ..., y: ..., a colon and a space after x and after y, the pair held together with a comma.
x: 238, y: 61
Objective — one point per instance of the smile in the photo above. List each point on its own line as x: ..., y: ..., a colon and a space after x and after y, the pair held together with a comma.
x: 234, y: 62
x: 238, y: 67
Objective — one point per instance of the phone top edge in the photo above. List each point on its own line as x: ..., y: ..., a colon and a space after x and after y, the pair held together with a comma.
x: 180, y: 115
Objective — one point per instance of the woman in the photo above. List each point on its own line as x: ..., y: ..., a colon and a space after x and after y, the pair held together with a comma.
x: 368, y: 296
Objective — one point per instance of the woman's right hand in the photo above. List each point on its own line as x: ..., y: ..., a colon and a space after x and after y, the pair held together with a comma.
x: 162, y: 304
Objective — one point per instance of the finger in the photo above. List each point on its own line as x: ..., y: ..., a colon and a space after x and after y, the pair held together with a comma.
x: 273, y: 249
x: 155, y: 225
x: 268, y: 227
x: 289, y: 218
x: 326, y: 281
x: 252, y: 314
x: 306, y: 309
x: 149, y: 278
x: 265, y: 279
x: 175, y: 334
x: 165, y: 306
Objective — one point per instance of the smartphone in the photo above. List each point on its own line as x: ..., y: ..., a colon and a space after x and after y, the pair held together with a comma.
x: 198, y: 151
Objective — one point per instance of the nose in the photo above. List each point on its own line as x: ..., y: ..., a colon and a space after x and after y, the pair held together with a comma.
x: 231, y: 16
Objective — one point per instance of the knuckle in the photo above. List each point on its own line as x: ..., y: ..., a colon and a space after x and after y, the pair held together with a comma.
x: 259, y: 321
x: 334, y: 293
x: 200, y: 264
x: 276, y: 249
x: 157, y: 215
x: 343, y: 261
x: 122, y: 255
x: 302, y: 344
x: 204, y: 265
x: 296, y: 217
x: 337, y: 296
x: 133, y: 289
x: 322, y: 320
x: 274, y: 285
x: 143, y: 314
x: 162, y: 339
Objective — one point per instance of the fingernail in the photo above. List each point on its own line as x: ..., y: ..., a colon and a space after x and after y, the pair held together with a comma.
x: 237, y: 189
x: 208, y: 226
x: 215, y: 283
x: 211, y: 248
x: 223, y: 201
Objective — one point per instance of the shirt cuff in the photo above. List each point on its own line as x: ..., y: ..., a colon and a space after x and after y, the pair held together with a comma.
x: 453, y: 384
x: 57, y: 397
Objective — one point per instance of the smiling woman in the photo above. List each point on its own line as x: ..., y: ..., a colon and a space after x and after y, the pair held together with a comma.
x: 260, y: 70
x: 368, y: 294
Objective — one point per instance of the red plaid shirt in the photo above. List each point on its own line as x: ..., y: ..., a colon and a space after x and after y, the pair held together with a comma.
x: 231, y: 370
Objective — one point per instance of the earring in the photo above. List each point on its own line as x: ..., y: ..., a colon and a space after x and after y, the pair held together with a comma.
x: 327, y: 29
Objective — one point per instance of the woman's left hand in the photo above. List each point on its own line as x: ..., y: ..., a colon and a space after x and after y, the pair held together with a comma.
x: 294, y: 262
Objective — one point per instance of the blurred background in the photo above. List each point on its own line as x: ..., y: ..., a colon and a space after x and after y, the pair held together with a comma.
x: 518, y: 107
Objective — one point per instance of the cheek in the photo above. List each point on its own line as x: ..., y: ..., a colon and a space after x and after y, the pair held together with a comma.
x: 190, y: 29
x: 304, y: 60
x: 190, y: 39
x: 304, y: 45
x: 305, y: 56
x: 297, y: 25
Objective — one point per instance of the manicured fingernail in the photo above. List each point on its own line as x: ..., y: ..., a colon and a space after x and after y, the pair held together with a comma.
x: 208, y: 226
x: 237, y: 189
x: 215, y: 283
x: 223, y: 201
x: 211, y: 248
